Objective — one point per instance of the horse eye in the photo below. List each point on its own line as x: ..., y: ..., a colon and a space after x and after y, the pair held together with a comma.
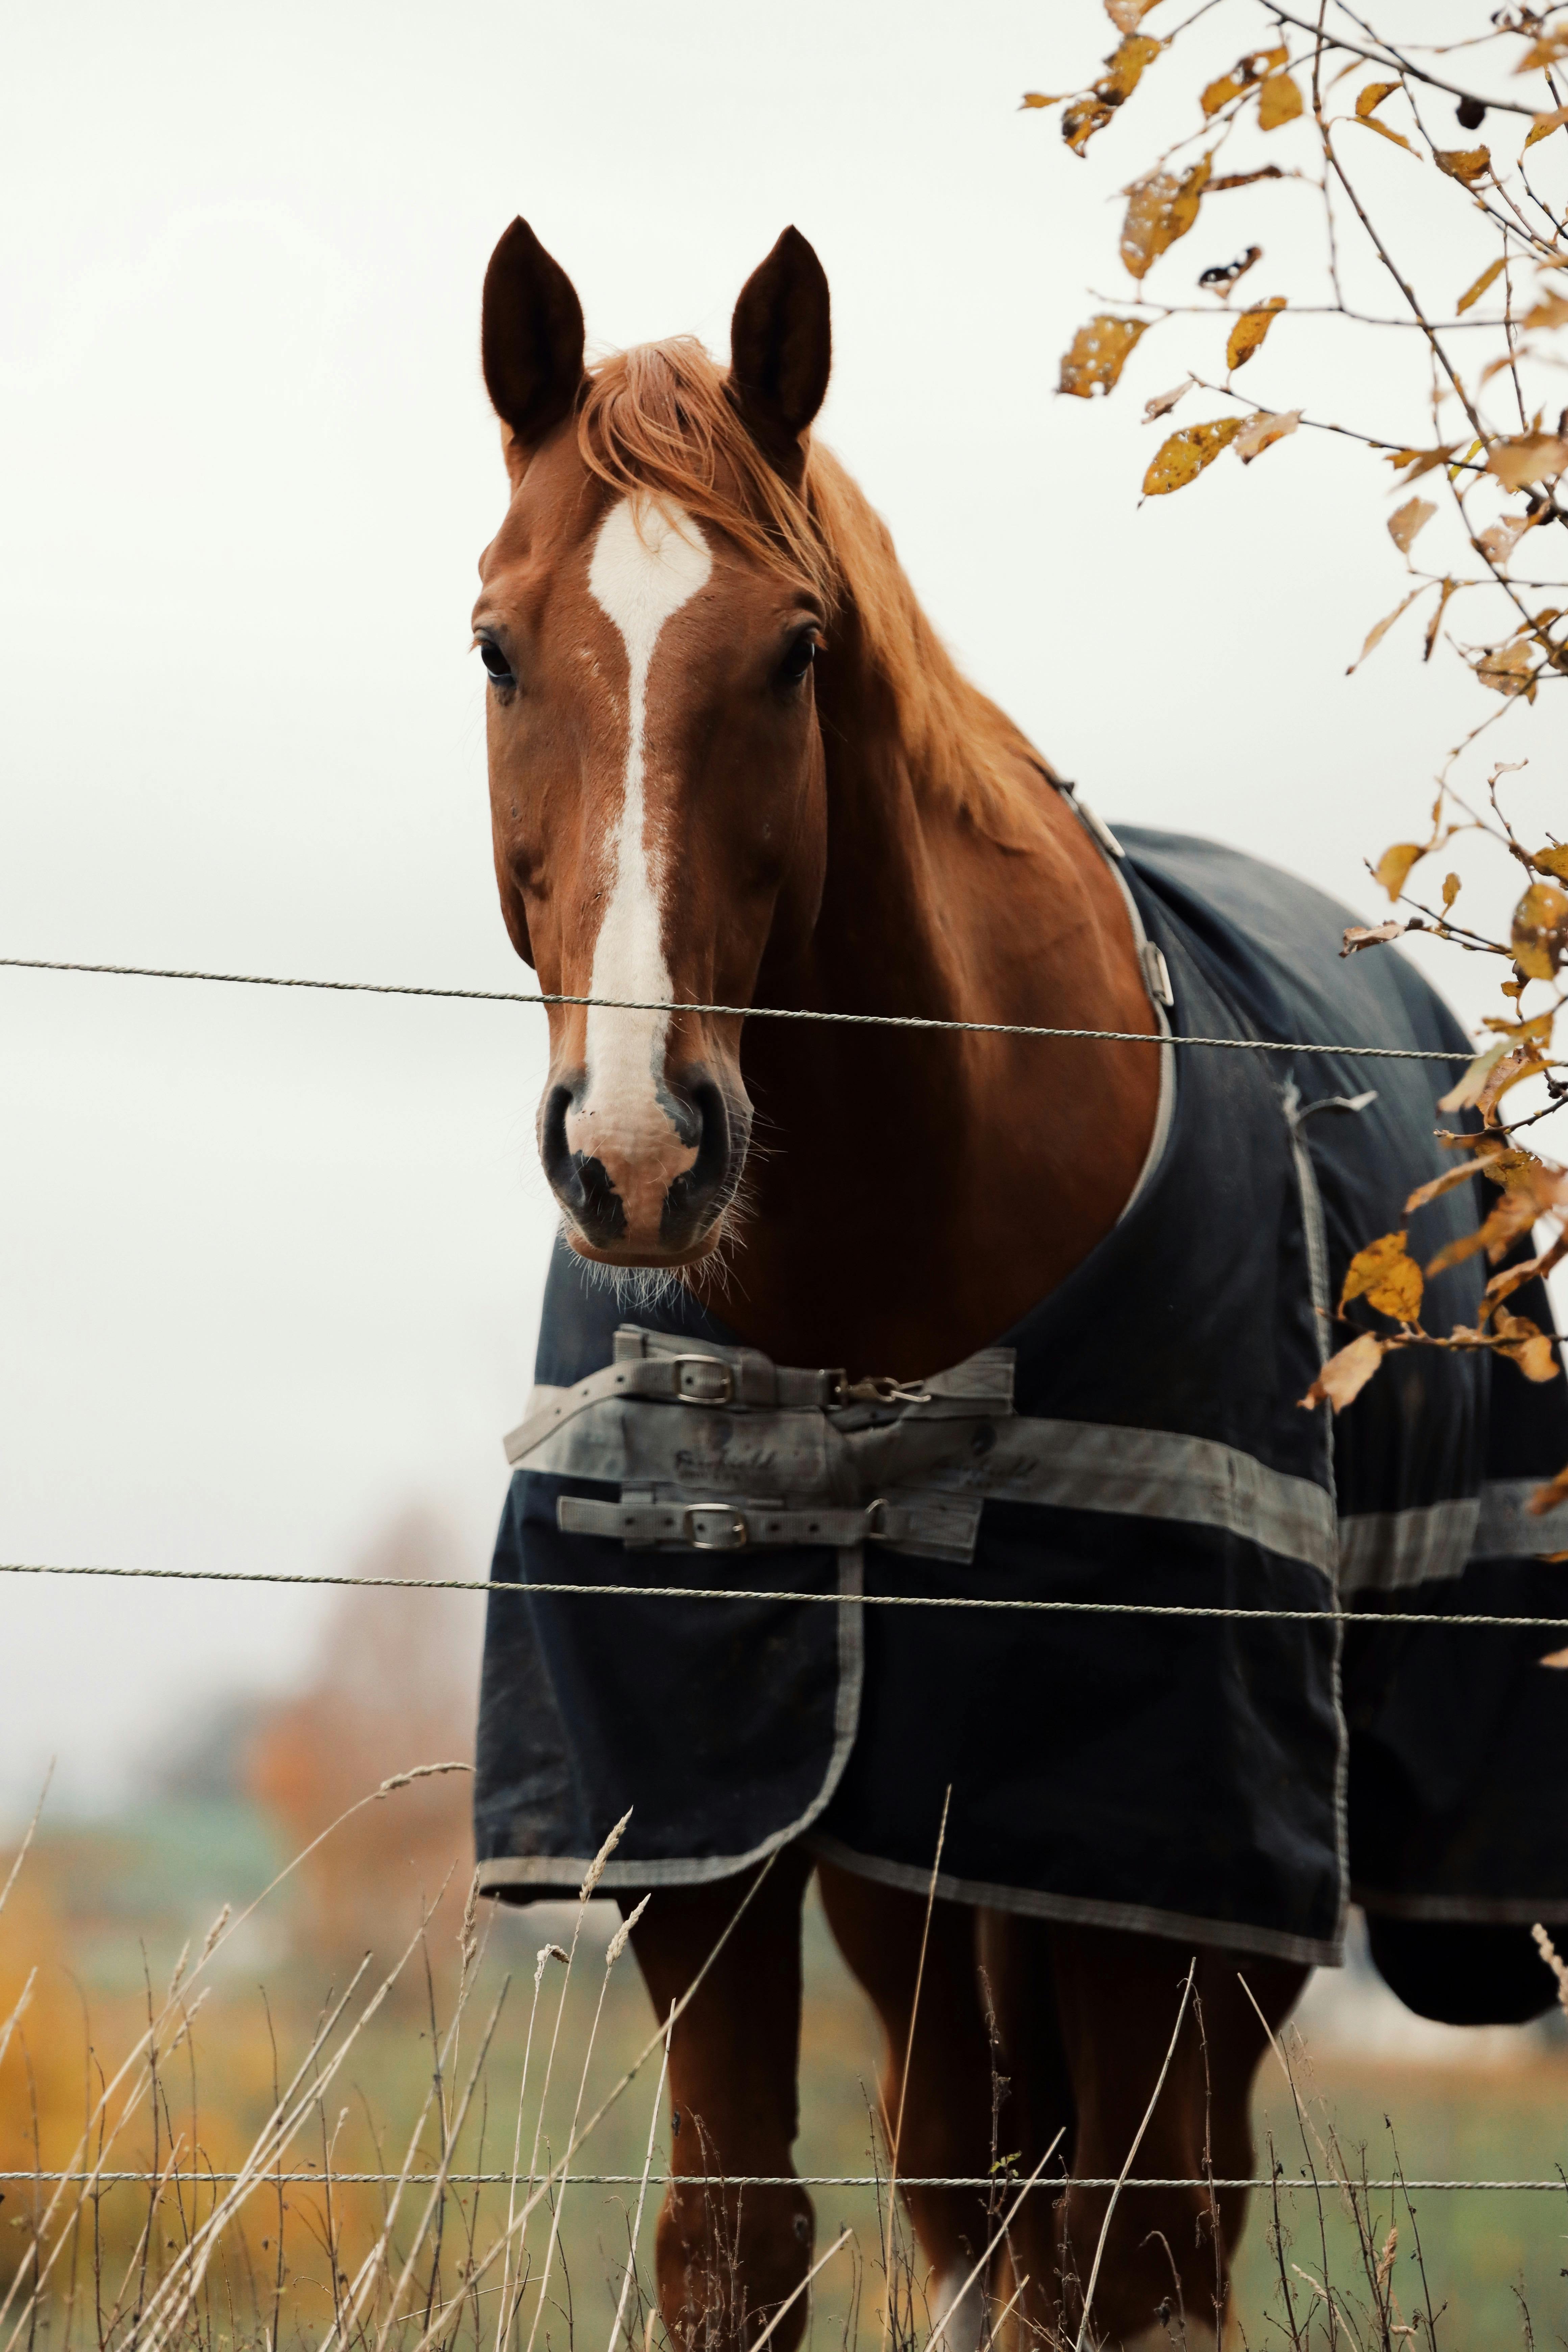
x: 497, y: 667
x: 798, y: 658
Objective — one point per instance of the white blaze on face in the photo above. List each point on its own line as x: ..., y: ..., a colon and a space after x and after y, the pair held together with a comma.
x: 646, y: 564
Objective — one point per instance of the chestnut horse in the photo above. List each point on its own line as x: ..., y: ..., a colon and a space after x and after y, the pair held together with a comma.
x: 731, y: 764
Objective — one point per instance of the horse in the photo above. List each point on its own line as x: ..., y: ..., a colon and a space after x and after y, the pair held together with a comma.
x: 733, y: 770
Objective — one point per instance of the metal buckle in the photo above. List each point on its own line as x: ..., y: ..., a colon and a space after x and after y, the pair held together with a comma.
x: 690, y: 1372
x: 875, y: 1527
x: 883, y: 1389
x: 733, y: 1534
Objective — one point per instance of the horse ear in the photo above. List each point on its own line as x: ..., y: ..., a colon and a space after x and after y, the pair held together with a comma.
x: 530, y: 341
x: 781, y: 346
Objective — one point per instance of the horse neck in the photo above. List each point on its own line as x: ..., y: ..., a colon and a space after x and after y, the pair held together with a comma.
x: 914, y: 1193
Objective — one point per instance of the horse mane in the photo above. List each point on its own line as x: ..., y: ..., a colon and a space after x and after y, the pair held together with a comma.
x: 660, y: 419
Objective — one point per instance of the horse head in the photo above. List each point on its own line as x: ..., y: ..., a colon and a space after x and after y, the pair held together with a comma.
x: 649, y: 615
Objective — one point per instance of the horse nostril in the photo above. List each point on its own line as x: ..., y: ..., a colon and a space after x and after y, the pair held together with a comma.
x: 581, y: 1184
x: 710, y: 1180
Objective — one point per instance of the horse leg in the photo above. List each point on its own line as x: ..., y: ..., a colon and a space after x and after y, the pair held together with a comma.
x: 940, y: 2118
x: 727, y: 2257
x: 1164, y: 2270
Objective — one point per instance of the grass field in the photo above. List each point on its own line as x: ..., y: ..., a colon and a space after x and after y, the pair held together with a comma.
x: 101, y: 1913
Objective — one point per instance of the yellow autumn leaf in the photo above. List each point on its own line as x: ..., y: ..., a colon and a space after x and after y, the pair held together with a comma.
x: 1552, y: 860
x: 1344, y: 1376
x: 1159, y: 210
x: 1278, y: 102
x: 1545, y: 52
x: 1241, y: 76
x: 1125, y: 66
x: 1097, y: 355
x: 1549, y: 312
x: 1182, y: 459
x: 1539, y: 930
x: 1393, y: 868
x: 1247, y: 336
x: 1380, y: 629
x: 1527, y: 458
x: 1033, y: 98
x: 1127, y: 15
x: 1409, y: 518
x: 1373, y: 96
x: 1545, y: 124
x: 1499, y: 539
x: 1261, y: 432
x: 1387, y: 1277
x: 1472, y: 293
x: 1420, y: 461
x: 1450, y: 891
x: 1467, y: 164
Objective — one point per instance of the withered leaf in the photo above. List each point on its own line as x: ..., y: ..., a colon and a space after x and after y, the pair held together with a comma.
x: 1160, y: 209
x: 1083, y: 119
x: 1373, y: 96
x: 1499, y: 539
x: 1387, y: 1277
x: 1552, y: 860
x: 1549, y: 312
x: 1545, y: 124
x: 1526, y: 458
x: 1380, y: 629
x: 1473, y: 292
x: 1125, y: 66
x: 1097, y: 355
x: 1344, y: 1376
x: 1383, y: 131
x: 1435, y: 623
x: 1241, y: 76
x: 1548, y: 1497
x: 1450, y: 891
x: 1539, y: 931
x: 1420, y: 461
x: 1393, y: 868
x: 1369, y: 935
x: 1247, y: 336
x: 1467, y: 1089
x: 1467, y: 164
x: 1449, y: 1179
x: 1409, y: 518
x: 1511, y: 1071
x: 1508, y: 669
x: 1182, y: 459
x: 1261, y: 432
x: 1554, y: 1657
x: 1278, y: 102
x: 1164, y: 402
x: 1035, y: 98
x: 1525, y: 1344
x: 1127, y: 15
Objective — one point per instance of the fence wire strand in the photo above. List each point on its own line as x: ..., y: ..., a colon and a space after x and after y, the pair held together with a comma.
x: 732, y: 1012
x: 336, y: 2180
x: 557, y: 1588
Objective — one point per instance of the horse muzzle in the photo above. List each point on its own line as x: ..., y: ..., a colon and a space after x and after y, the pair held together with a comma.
x: 645, y: 1182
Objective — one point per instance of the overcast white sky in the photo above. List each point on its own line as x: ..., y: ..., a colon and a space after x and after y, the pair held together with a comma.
x: 269, y: 1265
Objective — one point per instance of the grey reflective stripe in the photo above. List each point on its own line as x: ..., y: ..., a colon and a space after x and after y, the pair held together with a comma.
x: 1385, y: 1551
x: 1156, y: 1473
x: 1508, y: 1528
x: 1389, y: 1552
x: 930, y: 1525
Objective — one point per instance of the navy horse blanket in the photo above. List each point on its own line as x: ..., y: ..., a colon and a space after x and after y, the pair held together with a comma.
x: 1138, y: 1438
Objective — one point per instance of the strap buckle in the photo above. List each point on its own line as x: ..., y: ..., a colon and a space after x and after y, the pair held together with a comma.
x: 882, y: 1390
x: 704, y: 1380
x: 713, y: 1527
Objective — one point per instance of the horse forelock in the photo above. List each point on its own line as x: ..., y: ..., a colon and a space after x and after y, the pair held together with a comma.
x: 657, y: 421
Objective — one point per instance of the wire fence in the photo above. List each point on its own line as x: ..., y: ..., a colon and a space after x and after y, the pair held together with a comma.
x: 720, y: 2180
x: 1469, y: 1620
